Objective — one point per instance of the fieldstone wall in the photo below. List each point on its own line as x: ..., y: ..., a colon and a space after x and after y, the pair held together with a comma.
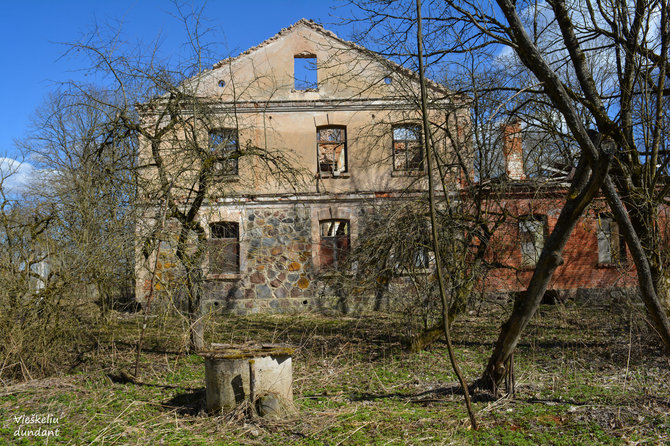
x: 279, y: 275
x: 169, y: 283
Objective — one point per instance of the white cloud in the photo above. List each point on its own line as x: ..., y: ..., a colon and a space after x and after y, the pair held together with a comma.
x: 16, y: 175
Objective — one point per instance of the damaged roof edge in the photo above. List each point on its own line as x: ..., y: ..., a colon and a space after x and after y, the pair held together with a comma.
x: 393, y: 66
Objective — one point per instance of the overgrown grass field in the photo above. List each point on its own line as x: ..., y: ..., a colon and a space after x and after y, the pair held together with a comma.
x: 585, y: 375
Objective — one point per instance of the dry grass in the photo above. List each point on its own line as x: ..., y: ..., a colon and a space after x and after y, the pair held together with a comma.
x: 585, y: 375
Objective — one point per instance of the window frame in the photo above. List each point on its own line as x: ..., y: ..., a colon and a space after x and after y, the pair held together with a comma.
x: 230, y: 144
x: 526, y: 260
x: 218, y: 240
x: 418, y: 131
x: 616, y: 246
x: 333, y: 242
x: 343, y: 141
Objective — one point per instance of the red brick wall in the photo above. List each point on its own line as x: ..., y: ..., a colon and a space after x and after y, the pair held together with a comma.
x: 580, y: 268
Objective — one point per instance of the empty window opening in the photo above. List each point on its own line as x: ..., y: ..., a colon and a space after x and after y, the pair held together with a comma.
x: 304, y: 72
x: 222, y: 83
x: 416, y: 257
x: 332, y: 149
x: 388, y: 80
x: 611, y: 249
x: 224, y: 248
x: 551, y: 297
x: 532, y: 235
x: 224, y: 145
x: 407, y: 148
x: 335, y: 242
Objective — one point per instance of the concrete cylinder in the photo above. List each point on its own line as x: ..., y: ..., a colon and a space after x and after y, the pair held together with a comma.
x: 259, y: 374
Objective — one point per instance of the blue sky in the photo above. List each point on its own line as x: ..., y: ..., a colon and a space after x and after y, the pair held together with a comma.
x: 31, y: 32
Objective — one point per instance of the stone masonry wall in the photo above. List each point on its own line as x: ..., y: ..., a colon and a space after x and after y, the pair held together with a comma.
x: 278, y: 276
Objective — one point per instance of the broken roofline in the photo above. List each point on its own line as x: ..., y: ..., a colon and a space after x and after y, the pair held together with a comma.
x: 392, y: 66
x: 449, y: 98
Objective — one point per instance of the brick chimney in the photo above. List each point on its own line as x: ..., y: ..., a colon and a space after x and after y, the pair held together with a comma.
x: 513, y: 151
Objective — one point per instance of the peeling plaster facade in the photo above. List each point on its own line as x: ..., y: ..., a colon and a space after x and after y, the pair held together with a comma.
x: 370, y: 104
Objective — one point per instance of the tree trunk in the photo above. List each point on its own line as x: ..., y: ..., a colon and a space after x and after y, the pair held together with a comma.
x: 644, y: 218
x: 194, y: 278
x: 425, y: 338
x: 104, y: 301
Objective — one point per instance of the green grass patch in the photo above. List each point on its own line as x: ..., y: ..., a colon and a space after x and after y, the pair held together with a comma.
x: 584, y: 376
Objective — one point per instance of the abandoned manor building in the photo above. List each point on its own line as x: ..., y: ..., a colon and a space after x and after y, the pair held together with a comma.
x: 315, y: 131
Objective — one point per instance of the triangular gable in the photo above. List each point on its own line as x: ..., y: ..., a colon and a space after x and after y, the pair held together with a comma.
x: 269, y: 67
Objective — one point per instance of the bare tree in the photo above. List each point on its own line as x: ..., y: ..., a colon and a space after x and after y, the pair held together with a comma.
x: 183, y: 158
x: 632, y: 176
x: 626, y: 32
x: 599, y: 64
x: 35, y: 315
x: 88, y: 177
